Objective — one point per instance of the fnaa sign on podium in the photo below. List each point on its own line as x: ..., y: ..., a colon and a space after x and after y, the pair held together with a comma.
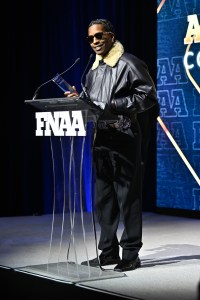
x: 66, y: 121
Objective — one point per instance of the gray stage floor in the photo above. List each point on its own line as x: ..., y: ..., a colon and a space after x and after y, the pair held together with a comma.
x: 170, y: 255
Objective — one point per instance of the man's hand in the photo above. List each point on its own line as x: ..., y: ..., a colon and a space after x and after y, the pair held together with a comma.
x: 72, y: 94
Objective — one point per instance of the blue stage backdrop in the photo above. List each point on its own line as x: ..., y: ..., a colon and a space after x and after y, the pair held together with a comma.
x: 178, y: 87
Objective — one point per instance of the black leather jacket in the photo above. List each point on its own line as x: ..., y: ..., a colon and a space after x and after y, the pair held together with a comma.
x: 127, y: 88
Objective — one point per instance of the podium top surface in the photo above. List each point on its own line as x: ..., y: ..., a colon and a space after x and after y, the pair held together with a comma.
x: 69, y: 104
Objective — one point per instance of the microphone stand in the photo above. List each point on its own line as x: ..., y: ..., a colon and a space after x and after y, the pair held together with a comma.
x: 37, y: 90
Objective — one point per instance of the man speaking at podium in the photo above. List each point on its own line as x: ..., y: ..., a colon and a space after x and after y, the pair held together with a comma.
x: 121, y: 85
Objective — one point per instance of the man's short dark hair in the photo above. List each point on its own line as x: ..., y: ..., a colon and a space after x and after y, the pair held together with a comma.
x: 108, y: 26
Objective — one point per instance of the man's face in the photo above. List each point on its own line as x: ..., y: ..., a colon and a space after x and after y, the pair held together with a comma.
x: 100, y: 43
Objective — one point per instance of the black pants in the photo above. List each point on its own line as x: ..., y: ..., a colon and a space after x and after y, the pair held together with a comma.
x: 117, y: 161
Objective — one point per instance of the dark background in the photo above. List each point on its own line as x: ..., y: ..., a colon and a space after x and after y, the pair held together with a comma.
x: 38, y: 40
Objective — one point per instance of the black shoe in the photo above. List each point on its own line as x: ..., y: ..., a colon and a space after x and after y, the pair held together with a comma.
x: 103, y: 261
x: 128, y: 265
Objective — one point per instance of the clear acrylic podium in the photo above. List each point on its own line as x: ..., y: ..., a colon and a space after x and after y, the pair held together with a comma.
x: 73, y: 233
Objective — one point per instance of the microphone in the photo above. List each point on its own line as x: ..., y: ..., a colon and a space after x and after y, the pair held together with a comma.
x: 82, y: 85
x: 37, y: 90
x: 87, y: 99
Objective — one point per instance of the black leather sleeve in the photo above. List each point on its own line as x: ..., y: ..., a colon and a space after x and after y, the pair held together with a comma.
x: 119, y: 105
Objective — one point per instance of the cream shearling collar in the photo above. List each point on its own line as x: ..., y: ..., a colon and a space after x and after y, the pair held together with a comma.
x: 112, y: 57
